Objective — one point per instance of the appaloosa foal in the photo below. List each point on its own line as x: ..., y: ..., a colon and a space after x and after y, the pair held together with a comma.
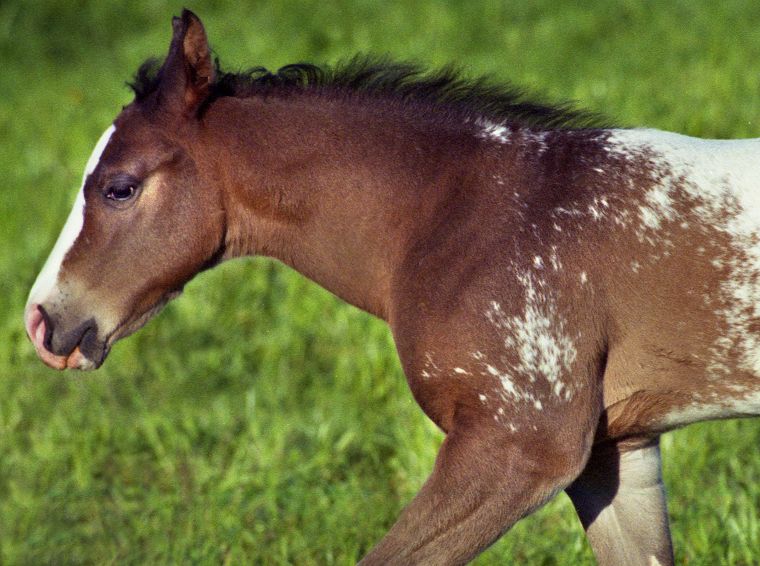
x: 559, y: 295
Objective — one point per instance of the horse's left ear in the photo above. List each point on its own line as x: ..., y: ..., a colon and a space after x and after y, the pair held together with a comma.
x: 188, y: 71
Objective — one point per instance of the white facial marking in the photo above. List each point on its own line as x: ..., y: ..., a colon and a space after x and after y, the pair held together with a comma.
x: 584, y: 278
x: 48, y: 277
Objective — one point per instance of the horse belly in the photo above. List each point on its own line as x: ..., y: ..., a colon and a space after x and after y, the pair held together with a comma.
x: 681, y: 357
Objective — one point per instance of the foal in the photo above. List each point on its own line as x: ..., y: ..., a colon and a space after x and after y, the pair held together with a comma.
x: 559, y: 295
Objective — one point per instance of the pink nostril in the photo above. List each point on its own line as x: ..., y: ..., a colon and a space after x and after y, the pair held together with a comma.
x: 39, y: 330
x: 35, y: 329
x: 35, y: 324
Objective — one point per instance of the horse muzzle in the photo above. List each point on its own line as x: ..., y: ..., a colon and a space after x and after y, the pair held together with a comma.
x: 61, y: 344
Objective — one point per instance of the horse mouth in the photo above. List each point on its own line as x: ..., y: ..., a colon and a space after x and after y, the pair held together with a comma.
x: 89, y: 352
x: 39, y: 332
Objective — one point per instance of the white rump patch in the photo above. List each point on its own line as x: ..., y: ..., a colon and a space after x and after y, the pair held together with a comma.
x: 48, y: 277
x: 720, y: 180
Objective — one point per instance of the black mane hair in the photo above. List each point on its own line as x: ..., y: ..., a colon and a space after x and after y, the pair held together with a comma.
x: 380, y: 77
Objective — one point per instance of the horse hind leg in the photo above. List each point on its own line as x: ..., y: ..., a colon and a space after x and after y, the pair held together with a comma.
x: 620, y: 499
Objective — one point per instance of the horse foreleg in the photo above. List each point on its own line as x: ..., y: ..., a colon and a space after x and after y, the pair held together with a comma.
x: 482, y: 483
x: 620, y: 499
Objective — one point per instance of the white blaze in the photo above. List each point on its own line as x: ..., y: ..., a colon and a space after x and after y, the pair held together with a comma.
x: 47, y: 278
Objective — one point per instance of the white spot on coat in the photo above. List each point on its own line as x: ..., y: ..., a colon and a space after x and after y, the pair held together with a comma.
x: 596, y: 214
x: 658, y: 205
x: 491, y: 131
x: 554, y: 259
x: 538, y: 348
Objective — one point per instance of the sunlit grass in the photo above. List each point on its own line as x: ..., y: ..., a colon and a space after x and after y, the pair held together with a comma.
x: 260, y: 420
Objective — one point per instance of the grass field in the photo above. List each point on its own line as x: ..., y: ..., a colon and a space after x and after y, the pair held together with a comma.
x: 259, y: 419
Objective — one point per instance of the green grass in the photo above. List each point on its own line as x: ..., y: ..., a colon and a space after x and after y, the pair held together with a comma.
x: 258, y: 419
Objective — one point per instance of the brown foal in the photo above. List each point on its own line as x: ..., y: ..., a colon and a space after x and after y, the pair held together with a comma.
x: 559, y: 294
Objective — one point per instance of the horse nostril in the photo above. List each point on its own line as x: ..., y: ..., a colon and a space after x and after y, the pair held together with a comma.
x: 47, y: 342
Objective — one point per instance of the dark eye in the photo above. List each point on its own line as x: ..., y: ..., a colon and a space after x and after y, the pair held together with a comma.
x: 120, y: 192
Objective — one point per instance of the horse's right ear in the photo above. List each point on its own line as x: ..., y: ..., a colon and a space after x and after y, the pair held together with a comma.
x: 188, y: 71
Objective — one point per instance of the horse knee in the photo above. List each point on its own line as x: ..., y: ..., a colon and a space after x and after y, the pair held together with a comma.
x: 560, y: 460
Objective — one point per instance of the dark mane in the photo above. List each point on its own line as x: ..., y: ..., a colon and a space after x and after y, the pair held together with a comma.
x: 379, y: 77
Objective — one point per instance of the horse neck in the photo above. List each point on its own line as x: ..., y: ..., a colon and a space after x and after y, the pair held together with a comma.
x: 336, y: 189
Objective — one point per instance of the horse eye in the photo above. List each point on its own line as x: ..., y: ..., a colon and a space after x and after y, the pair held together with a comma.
x: 120, y: 192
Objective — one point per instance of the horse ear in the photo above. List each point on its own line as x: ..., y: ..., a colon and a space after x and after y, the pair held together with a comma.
x: 188, y: 71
